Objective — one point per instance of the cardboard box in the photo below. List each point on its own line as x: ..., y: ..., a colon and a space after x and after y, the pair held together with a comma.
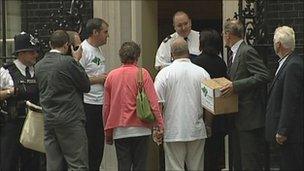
x: 212, y: 100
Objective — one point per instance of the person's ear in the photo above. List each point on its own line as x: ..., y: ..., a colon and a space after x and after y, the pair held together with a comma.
x: 95, y: 32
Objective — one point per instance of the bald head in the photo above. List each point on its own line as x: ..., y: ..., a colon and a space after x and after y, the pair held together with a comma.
x: 179, y: 48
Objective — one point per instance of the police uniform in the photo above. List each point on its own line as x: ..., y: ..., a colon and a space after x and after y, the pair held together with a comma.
x: 163, y: 55
x: 13, y: 109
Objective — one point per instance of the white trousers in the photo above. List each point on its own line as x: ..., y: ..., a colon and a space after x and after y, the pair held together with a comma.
x: 191, y: 153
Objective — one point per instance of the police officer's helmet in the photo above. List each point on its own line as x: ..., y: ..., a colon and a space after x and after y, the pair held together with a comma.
x: 25, y: 42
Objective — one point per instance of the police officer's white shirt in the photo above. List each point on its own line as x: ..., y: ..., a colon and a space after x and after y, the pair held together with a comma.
x: 6, y: 80
x: 93, y: 62
x: 178, y: 86
x: 163, y: 55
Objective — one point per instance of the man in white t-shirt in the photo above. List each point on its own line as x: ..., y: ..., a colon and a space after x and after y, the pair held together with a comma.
x: 182, y: 26
x: 179, y: 88
x: 93, y: 62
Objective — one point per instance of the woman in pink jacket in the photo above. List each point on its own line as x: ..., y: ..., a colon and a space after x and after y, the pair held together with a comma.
x: 121, y: 123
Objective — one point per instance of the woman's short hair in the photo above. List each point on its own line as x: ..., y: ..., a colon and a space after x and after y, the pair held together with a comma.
x: 210, y: 42
x: 129, y: 52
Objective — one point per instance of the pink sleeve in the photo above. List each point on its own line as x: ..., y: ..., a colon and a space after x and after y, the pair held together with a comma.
x: 153, y: 99
x: 107, y: 100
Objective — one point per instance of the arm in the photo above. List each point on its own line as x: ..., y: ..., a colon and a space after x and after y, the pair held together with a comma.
x: 6, y: 93
x: 163, y: 56
x: 97, y: 79
x: 152, y: 96
x: 79, y: 76
x: 106, y: 110
x: 258, y: 72
x: 100, y: 79
x: 291, y: 99
x: 6, y: 84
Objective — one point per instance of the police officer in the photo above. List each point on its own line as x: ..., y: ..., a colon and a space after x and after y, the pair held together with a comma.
x: 182, y: 26
x: 17, y: 84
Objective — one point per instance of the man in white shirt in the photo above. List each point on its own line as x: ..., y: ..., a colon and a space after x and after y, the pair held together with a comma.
x: 179, y: 88
x: 182, y: 26
x: 93, y: 62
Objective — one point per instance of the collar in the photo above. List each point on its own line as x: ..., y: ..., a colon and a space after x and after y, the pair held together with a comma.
x: 236, y: 46
x: 129, y: 65
x: 55, y: 50
x: 22, y: 67
x: 182, y: 60
x: 284, y: 58
x: 19, y: 64
x: 189, y: 37
x: 86, y: 42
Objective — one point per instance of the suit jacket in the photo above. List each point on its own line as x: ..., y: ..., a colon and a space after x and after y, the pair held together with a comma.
x: 285, y: 104
x: 61, y: 82
x: 249, y: 76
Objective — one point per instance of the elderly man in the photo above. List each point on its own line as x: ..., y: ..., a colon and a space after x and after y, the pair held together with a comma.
x: 284, y: 117
x: 62, y: 82
x: 93, y: 62
x: 17, y: 84
x: 179, y: 88
x: 249, y: 77
x: 182, y: 26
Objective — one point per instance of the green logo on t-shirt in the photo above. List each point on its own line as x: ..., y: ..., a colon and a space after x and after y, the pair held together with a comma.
x: 96, y: 60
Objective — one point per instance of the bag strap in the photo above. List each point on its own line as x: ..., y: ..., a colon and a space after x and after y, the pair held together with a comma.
x: 140, y: 79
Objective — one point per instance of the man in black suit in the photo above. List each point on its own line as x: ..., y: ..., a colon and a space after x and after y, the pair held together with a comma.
x: 249, y: 76
x: 284, y: 117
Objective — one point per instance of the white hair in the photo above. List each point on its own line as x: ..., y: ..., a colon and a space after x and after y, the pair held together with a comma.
x: 286, y: 36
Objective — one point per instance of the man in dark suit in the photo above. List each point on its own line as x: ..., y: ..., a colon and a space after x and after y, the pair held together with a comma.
x: 249, y: 77
x: 284, y: 117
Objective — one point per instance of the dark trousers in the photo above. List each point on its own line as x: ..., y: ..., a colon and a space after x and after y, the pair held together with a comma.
x: 248, y: 148
x: 132, y: 153
x: 214, y: 158
x: 291, y: 156
x: 13, y: 155
x: 95, y: 133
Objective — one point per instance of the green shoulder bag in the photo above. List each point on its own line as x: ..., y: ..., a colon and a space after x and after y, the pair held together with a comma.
x: 143, y: 108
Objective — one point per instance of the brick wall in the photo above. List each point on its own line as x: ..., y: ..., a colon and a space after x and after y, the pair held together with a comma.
x: 36, y: 15
x: 290, y: 13
x: 278, y: 13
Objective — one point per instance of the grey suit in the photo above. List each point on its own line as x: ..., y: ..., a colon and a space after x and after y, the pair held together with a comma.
x: 285, y: 112
x: 249, y: 76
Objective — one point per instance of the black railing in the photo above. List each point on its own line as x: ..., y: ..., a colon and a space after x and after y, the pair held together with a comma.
x: 63, y: 18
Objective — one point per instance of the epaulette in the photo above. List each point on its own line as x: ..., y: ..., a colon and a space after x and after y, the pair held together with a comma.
x: 167, y: 38
x: 6, y: 65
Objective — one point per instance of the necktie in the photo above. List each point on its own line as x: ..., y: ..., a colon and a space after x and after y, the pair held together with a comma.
x: 229, y: 58
x: 27, y: 72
